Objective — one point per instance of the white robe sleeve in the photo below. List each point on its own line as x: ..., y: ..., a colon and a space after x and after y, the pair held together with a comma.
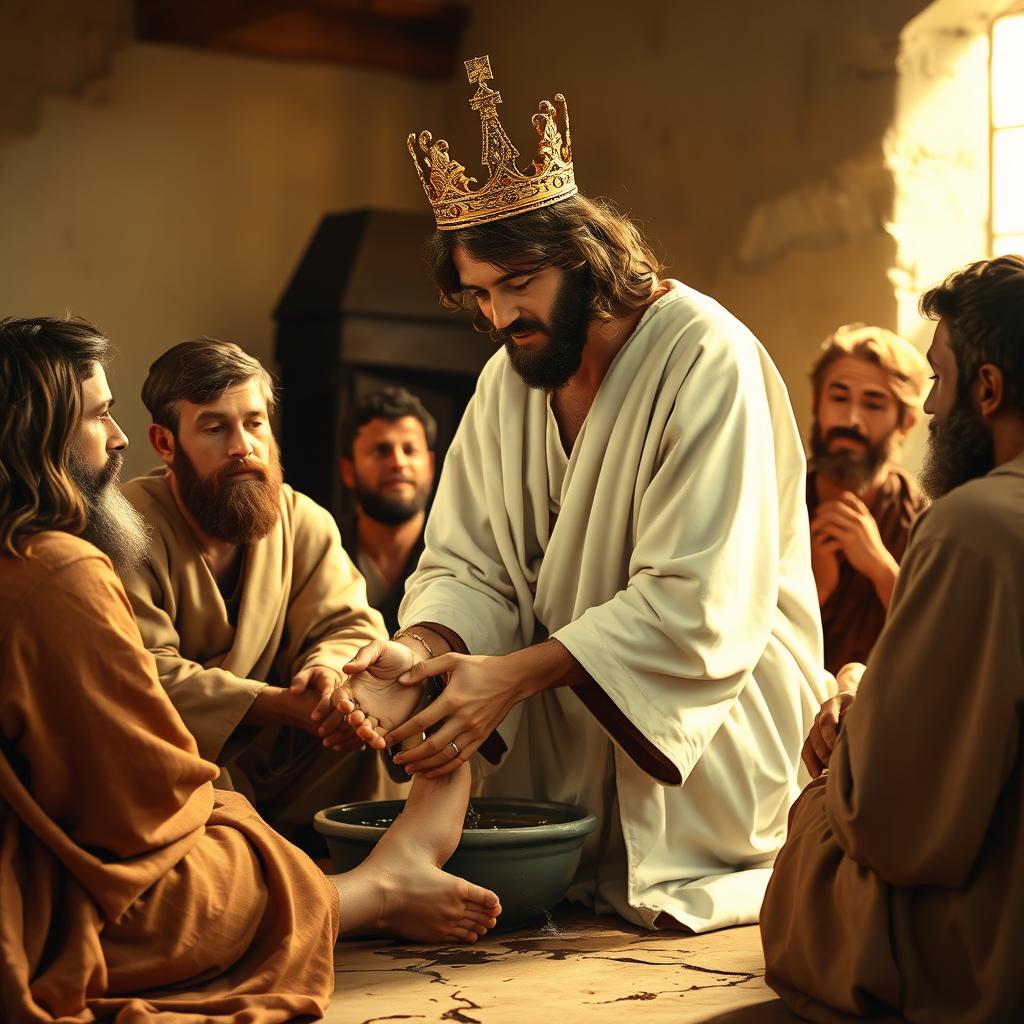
x: 462, y: 580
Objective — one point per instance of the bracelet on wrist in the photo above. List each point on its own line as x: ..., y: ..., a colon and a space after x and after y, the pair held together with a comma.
x: 413, y: 635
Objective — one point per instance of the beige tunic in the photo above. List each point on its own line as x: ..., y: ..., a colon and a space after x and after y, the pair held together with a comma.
x: 129, y: 887
x: 302, y: 603
x: 900, y: 892
x: 670, y: 554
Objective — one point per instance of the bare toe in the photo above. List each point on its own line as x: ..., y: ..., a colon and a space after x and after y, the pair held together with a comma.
x: 478, y: 925
x: 483, y: 900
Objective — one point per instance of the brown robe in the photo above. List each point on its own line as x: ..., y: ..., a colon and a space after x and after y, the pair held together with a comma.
x: 900, y: 891
x: 853, y: 616
x: 129, y: 887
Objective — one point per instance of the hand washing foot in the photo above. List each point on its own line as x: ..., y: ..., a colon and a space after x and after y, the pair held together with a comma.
x: 376, y: 702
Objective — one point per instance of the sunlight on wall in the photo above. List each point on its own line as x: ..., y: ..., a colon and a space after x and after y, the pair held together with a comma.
x: 938, y: 149
x: 1008, y: 134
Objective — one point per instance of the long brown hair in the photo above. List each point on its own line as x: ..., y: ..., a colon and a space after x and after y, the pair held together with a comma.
x: 575, y: 234
x: 43, y: 363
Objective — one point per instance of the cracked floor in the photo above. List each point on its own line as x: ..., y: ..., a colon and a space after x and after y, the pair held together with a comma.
x: 576, y: 967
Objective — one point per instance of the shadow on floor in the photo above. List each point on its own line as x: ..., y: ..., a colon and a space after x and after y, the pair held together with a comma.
x: 771, y: 1012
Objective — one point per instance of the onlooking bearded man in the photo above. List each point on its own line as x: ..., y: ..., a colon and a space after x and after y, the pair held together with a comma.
x: 387, y: 463
x: 900, y: 892
x: 868, y: 385
x: 247, y: 601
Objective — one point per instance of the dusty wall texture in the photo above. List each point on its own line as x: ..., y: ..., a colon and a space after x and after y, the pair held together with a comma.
x: 938, y: 149
x: 796, y: 160
x: 748, y: 138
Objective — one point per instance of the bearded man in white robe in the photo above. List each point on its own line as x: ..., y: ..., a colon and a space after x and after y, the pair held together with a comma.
x: 616, y: 575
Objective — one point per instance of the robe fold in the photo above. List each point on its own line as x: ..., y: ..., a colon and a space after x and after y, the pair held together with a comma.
x: 669, y: 554
x: 301, y: 603
x: 129, y: 887
x: 900, y: 892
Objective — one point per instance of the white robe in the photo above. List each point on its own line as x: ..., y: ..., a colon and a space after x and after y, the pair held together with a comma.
x: 678, y: 573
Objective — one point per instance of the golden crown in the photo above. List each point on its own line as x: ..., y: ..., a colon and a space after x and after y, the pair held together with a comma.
x: 508, y: 191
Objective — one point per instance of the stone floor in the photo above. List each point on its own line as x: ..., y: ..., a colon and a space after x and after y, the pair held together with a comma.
x: 576, y: 967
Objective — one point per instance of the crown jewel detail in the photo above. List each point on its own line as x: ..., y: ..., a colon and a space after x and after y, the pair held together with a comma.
x: 507, y: 191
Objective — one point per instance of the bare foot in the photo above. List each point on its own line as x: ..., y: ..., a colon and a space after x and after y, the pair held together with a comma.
x: 378, y: 701
x: 400, y: 888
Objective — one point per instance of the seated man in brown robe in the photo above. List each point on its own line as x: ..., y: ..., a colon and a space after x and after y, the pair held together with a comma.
x: 899, y: 894
x: 129, y: 887
x: 868, y: 385
x: 247, y: 600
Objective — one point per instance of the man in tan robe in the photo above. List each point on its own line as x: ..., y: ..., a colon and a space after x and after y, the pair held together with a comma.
x: 900, y: 892
x: 247, y: 600
x: 129, y: 887
x: 868, y: 387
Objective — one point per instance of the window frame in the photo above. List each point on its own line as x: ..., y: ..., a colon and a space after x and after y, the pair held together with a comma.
x: 1013, y: 9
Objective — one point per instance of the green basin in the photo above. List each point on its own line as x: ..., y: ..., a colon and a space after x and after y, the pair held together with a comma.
x: 529, y: 866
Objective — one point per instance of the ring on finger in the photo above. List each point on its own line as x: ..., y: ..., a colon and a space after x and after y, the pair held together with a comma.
x: 454, y: 746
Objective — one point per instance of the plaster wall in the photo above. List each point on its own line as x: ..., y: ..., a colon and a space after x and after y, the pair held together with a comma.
x: 166, y: 193
x: 798, y: 161
x: 938, y: 148
x: 747, y: 137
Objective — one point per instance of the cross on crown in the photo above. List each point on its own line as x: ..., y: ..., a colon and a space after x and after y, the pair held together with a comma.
x: 507, y: 191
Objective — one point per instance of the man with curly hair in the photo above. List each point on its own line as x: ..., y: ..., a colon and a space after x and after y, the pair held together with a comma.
x: 387, y: 442
x: 899, y: 895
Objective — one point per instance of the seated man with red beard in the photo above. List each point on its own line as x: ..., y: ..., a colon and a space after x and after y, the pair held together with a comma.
x: 248, y: 601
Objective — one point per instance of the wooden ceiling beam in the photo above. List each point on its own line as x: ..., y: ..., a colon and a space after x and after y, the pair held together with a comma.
x: 416, y: 37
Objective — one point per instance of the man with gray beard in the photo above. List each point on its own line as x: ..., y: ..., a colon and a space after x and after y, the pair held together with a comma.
x: 248, y: 602
x: 113, y: 525
x: 899, y: 894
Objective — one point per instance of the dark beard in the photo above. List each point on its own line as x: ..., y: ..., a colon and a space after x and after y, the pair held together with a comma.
x: 113, y: 523
x: 239, y: 511
x: 557, y: 362
x: 959, y: 449
x: 847, y: 469
x: 386, y: 510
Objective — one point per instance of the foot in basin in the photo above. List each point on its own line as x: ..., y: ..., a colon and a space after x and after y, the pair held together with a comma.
x: 401, y: 889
